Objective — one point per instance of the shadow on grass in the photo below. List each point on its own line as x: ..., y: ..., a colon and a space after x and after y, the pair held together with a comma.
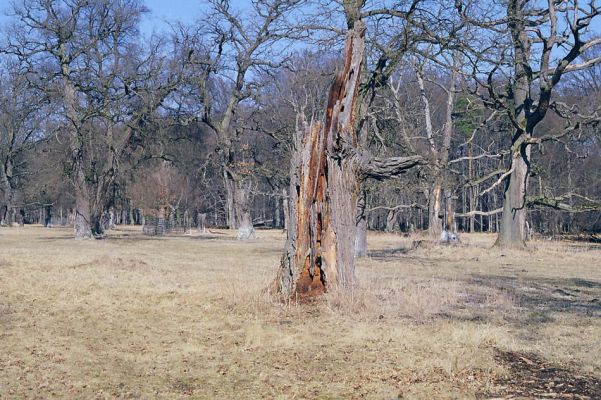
x: 540, y: 296
x: 387, y: 254
x: 532, y: 377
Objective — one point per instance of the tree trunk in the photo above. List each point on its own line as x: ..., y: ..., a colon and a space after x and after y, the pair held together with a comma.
x: 472, y: 193
x: 450, y: 213
x: 286, y: 206
x: 361, y: 227
x: 243, y: 217
x: 8, y: 216
x: 391, y: 219
x: 319, y: 253
x: 327, y: 169
x: 111, y: 218
x: 277, y: 214
x: 230, y: 211
x: 48, y: 217
x: 83, y: 222
x: 83, y: 217
x: 435, y: 214
x: 201, y: 222
x: 513, y: 218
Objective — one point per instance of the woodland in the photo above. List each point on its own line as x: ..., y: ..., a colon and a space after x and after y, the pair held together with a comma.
x: 300, y: 199
x: 326, y: 119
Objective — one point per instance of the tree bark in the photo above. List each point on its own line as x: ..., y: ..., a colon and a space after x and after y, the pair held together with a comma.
x: 83, y: 222
x: 435, y: 215
x: 286, y: 206
x: 513, y: 218
x: 361, y: 227
x: 243, y: 217
x: 83, y: 217
x: 230, y: 211
x: 201, y: 222
x: 9, y: 216
x: 472, y: 191
x: 277, y: 214
x: 319, y: 253
x: 450, y: 212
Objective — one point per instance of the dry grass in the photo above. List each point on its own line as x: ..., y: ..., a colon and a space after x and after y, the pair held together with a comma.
x: 136, y: 317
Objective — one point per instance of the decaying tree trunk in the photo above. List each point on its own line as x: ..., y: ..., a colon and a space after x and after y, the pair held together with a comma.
x: 325, y: 179
x: 326, y: 170
x: 319, y: 251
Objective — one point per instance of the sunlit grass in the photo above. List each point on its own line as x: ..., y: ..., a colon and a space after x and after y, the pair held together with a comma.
x: 180, y: 317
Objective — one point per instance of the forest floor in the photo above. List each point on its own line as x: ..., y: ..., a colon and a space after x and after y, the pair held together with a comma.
x: 188, y: 317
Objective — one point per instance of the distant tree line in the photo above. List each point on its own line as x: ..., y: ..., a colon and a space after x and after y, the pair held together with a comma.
x: 473, y: 116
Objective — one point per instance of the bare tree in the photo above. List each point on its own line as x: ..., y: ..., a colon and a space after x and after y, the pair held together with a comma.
x: 83, y: 55
x: 21, y: 110
x: 246, y: 44
x: 545, y: 41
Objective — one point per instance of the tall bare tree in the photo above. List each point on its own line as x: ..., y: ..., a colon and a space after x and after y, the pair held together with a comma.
x: 246, y: 43
x: 83, y: 54
x: 544, y: 42
x: 21, y: 113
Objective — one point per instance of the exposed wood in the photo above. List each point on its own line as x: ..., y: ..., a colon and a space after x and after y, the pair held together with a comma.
x: 325, y: 179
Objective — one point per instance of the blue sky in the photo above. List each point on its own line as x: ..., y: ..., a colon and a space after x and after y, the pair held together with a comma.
x: 164, y: 11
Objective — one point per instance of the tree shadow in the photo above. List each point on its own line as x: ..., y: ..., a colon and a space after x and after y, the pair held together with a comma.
x: 541, y: 296
x: 387, y: 254
x: 530, y: 376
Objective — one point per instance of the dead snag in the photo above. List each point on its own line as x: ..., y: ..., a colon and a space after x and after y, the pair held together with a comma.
x: 324, y: 185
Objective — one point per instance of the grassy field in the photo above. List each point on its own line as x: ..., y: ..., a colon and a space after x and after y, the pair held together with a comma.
x: 188, y: 317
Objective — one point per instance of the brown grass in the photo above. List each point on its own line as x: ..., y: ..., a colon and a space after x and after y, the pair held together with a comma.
x: 188, y: 317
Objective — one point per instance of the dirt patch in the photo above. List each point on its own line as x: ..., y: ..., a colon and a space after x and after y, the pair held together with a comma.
x: 531, y: 377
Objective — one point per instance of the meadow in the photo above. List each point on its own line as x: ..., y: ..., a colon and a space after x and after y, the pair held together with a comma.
x: 189, y: 316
